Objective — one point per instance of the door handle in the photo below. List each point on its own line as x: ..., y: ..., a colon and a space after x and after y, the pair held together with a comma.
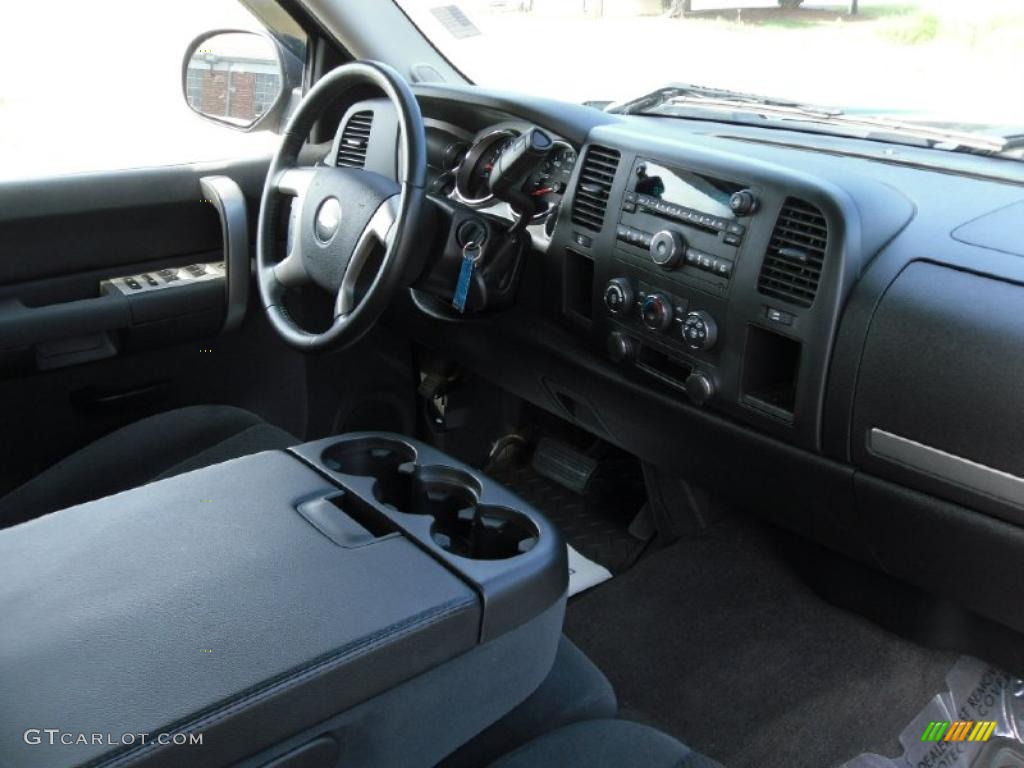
x: 227, y: 198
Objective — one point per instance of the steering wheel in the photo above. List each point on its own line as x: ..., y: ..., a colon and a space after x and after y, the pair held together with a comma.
x: 342, y: 216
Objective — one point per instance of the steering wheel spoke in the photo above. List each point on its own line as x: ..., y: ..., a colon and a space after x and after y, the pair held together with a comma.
x: 379, y: 232
x: 290, y: 272
x: 294, y: 181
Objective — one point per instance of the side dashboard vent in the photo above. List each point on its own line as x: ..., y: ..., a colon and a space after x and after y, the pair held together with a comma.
x: 792, y: 265
x: 595, y: 185
x: 354, y: 139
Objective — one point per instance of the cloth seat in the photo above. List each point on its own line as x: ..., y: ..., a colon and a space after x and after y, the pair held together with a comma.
x: 574, y: 691
x: 605, y: 744
x: 153, y: 448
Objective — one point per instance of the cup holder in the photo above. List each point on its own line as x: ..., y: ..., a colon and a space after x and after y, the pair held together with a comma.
x: 461, y: 524
x: 484, y: 533
x: 389, y: 462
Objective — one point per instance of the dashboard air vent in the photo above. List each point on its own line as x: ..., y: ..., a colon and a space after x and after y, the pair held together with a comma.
x: 792, y: 266
x: 594, y: 187
x: 354, y: 138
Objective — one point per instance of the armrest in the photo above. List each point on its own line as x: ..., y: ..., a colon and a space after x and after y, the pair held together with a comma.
x: 206, y: 603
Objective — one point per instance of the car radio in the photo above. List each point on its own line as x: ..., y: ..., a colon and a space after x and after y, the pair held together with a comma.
x: 683, y: 222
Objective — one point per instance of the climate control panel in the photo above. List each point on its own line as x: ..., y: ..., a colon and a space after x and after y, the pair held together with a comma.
x: 657, y: 311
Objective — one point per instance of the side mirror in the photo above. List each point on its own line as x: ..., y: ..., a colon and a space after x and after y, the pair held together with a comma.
x: 243, y: 80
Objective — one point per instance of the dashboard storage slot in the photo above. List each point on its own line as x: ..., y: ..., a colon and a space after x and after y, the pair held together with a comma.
x: 668, y: 369
x: 771, y: 365
x: 579, y: 286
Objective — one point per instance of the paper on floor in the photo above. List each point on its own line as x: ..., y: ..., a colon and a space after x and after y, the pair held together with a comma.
x: 977, y: 723
x: 584, y: 573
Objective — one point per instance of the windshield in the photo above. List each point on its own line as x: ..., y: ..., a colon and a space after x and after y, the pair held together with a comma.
x: 939, y: 61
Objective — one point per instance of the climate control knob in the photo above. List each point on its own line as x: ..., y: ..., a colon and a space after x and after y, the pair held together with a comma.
x: 700, y: 332
x: 667, y: 249
x: 618, y: 295
x: 700, y: 387
x: 656, y: 312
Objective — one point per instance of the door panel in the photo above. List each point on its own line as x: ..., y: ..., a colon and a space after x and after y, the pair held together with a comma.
x: 79, y: 359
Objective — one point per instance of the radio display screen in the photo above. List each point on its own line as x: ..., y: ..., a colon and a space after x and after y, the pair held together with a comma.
x: 683, y: 188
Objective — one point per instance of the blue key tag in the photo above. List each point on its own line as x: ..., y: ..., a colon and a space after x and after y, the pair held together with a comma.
x: 470, y: 257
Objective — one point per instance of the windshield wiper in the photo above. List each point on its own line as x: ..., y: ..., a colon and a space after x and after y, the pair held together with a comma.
x: 683, y: 96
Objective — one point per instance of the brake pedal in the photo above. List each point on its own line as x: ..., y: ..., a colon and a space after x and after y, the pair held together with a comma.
x: 564, y: 465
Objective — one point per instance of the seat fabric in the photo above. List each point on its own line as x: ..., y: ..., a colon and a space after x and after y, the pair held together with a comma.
x: 574, y: 691
x: 605, y: 744
x: 153, y: 448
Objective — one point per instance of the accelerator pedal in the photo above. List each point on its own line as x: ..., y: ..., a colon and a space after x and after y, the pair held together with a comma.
x: 564, y: 465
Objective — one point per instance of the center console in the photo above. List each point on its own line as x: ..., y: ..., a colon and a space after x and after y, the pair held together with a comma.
x: 287, y: 608
x: 677, y: 242
x: 713, y: 277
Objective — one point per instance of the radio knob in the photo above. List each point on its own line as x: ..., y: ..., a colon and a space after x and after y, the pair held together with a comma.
x: 700, y: 387
x: 700, y: 331
x: 743, y: 203
x: 667, y: 248
x: 618, y: 295
x: 620, y: 347
x: 656, y: 312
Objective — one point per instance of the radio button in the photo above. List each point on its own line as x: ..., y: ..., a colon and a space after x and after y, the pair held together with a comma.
x: 743, y: 203
x: 667, y: 248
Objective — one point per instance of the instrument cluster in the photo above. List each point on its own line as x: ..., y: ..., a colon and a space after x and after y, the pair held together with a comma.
x: 467, y: 166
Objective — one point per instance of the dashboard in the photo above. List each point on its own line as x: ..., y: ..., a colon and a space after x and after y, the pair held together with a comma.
x: 823, y: 329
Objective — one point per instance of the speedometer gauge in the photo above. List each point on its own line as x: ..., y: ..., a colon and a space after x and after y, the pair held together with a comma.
x: 548, y: 183
x: 473, y: 177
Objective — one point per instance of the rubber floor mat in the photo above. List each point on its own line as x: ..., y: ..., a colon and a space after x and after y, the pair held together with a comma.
x: 596, y: 525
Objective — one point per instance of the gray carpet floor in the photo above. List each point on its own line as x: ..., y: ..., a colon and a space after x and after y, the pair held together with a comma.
x: 717, y: 642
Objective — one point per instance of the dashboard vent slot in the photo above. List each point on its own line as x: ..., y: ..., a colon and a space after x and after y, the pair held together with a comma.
x: 354, y: 139
x: 792, y: 265
x: 594, y: 187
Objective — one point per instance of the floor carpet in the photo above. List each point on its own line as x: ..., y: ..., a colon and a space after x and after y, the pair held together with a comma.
x: 717, y: 642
